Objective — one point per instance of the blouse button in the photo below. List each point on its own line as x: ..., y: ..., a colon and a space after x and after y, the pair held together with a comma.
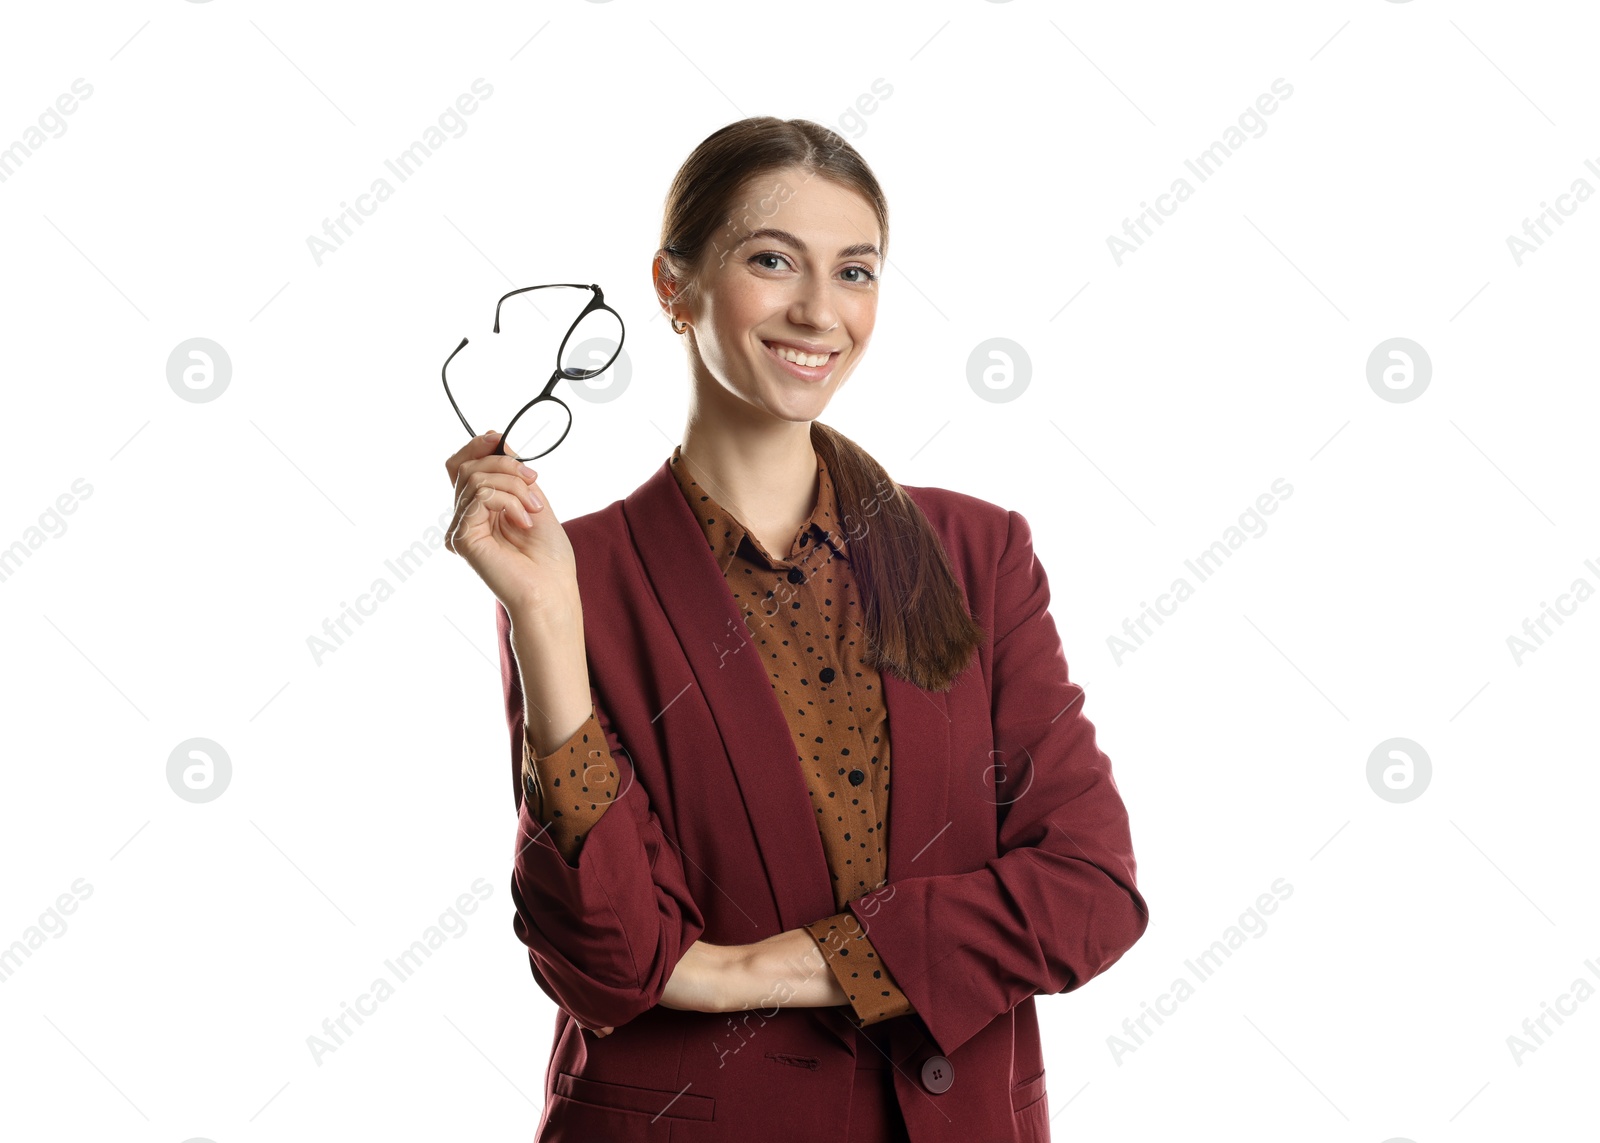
x: 826, y: 674
x: 857, y: 777
x: 796, y: 575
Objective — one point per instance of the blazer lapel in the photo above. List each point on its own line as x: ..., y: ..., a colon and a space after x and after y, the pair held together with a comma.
x: 755, y: 733
x: 919, y: 776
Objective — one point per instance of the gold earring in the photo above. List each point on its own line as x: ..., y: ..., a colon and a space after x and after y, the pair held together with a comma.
x: 676, y: 328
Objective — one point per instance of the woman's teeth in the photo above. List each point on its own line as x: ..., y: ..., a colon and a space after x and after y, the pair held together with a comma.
x: 809, y: 360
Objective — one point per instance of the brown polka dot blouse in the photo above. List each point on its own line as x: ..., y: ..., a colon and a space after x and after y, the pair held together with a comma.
x: 804, y: 618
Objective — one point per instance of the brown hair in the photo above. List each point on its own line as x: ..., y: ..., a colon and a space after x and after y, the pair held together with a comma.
x: 913, y: 612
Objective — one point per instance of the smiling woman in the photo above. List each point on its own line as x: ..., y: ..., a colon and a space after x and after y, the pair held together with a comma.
x: 737, y: 922
x: 774, y: 310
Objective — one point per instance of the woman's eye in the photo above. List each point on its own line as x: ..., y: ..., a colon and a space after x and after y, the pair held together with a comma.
x: 865, y: 277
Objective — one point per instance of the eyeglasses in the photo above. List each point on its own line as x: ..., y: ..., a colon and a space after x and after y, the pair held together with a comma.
x: 600, y: 332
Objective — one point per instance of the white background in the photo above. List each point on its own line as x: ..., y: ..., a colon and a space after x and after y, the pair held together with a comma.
x: 369, y: 788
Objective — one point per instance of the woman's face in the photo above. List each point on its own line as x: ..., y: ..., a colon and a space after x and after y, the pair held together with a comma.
x: 794, y: 269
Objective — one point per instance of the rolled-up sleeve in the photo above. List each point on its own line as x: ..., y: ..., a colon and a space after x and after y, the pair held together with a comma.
x: 1060, y: 903
x: 605, y: 931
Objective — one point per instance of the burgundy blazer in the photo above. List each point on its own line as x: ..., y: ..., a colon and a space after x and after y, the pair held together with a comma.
x: 1010, y: 867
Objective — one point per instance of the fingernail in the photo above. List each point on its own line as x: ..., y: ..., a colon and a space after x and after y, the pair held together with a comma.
x: 526, y: 471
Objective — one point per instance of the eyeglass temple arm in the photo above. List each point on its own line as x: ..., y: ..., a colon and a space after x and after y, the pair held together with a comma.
x: 598, y: 298
x: 444, y: 376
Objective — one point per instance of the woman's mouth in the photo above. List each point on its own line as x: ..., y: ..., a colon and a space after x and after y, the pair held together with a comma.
x: 798, y: 370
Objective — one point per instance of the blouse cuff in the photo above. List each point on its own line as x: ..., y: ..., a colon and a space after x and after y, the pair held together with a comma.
x: 855, y: 964
x: 569, y: 788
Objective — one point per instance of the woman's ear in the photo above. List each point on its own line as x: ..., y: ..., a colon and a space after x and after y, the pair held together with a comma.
x: 666, y: 286
x: 671, y: 292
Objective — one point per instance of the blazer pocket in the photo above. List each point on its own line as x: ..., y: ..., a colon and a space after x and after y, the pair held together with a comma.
x: 641, y: 1100
x: 1027, y: 1093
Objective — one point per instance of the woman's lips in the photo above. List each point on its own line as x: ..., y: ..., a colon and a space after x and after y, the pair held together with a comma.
x: 804, y: 373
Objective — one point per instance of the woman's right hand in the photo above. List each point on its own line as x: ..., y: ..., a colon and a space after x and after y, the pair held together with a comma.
x: 504, y: 529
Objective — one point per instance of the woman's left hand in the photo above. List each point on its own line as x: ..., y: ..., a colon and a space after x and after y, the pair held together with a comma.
x: 701, y: 981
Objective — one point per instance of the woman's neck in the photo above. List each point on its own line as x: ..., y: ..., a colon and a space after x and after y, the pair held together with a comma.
x: 766, y: 477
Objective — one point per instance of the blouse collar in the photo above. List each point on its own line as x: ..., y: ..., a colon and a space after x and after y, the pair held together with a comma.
x: 724, y: 533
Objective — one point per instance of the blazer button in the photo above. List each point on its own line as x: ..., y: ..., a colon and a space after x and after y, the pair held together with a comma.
x: 796, y: 575
x: 938, y: 1074
x: 857, y: 777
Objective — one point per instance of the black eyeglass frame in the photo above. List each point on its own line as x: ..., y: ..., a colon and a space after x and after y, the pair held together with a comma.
x: 598, y: 302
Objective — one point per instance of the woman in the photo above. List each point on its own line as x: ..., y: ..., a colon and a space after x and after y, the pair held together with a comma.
x: 707, y: 682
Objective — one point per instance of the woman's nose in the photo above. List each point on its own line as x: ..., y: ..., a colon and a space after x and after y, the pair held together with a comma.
x: 814, y: 307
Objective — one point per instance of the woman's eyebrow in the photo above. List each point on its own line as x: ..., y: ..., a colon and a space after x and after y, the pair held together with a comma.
x: 856, y: 251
